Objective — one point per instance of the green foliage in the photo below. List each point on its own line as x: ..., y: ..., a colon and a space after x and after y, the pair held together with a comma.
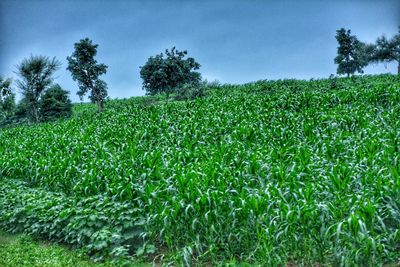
x: 271, y: 173
x: 7, y: 102
x: 7, y: 109
x: 85, y: 69
x: 22, y: 250
x: 190, y: 92
x: 351, y: 53
x: 5, y: 87
x: 99, y: 225
x: 35, y: 77
x: 55, y: 104
x: 165, y: 74
x: 387, y: 50
x: 22, y: 111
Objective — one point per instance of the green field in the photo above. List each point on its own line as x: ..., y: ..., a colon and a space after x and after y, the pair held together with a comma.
x: 266, y: 173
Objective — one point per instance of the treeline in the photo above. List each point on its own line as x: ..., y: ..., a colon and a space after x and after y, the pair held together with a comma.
x: 44, y: 100
x: 169, y: 73
x: 353, y: 55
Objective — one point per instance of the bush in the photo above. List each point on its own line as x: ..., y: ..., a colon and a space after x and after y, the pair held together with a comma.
x: 55, y: 104
x: 98, y: 224
x: 189, y: 92
x: 211, y: 84
x: 7, y: 109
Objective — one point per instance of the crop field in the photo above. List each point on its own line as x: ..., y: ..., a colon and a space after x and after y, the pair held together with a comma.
x: 267, y: 173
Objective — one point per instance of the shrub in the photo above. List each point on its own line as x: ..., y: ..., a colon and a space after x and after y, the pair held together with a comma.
x: 190, y: 91
x: 55, y: 104
x: 98, y: 224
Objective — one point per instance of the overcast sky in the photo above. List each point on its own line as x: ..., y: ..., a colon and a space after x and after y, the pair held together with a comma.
x: 234, y: 41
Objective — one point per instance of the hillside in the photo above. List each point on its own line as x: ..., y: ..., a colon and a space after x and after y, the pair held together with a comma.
x: 271, y: 172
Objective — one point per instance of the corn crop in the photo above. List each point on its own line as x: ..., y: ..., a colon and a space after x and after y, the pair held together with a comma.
x: 271, y: 172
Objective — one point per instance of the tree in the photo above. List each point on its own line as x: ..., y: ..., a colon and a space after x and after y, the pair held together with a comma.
x: 165, y: 74
x: 351, y: 56
x: 387, y: 50
x: 55, y: 104
x: 85, y: 69
x: 36, y: 75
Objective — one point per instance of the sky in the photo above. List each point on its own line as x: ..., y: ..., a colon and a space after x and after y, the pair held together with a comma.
x: 235, y: 41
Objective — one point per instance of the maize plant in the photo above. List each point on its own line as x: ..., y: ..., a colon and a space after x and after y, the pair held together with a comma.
x: 269, y: 173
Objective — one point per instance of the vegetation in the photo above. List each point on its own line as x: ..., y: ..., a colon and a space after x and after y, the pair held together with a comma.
x: 85, y: 69
x: 99, y: 225
x: 166, y: 74
x: 35, y: 77
x: 354, y: 55
x: 190, y: 91
x: 23, y: 250
x: 7, y: 101
x: 55, y: 104
x: 351, y: 56
x: 21, y: 112
x: 5, y: 87
x: 388, y: 50
x: 271, y: 173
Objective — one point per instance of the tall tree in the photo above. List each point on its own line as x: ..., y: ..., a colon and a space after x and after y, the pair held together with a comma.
x: 85, y: 69
x: 388, y: 50
x: 164, y: 74
x: 350, y: 53
x: 36, y: 74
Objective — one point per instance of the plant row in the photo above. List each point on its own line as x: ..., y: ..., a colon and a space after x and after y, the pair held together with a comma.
x: 99, y: 225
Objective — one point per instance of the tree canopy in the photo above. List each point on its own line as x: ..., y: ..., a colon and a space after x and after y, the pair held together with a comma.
x: 351, y: 56
x: 55, y: 104
x: 387, y: 50
x: 36, y: 75
x: 5, y: 87
x: 165, y: 73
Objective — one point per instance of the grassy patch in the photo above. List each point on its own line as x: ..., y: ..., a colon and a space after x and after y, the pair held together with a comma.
x: 21, y: 250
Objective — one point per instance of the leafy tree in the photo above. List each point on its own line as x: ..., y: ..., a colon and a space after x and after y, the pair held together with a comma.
x: 85, y: 69
x: 55, y: 104
x: 388, y: 50
x: 164, y: 74
x: 351, y: 55
x: 36, y: 75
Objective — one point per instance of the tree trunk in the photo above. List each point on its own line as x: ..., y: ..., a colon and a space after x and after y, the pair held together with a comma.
x: 398, y: 68
x: 99, y: 106
x: 35, y: 113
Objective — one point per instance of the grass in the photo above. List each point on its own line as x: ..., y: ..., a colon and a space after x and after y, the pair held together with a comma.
x: 269, y: 173
x: 22, y: 250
